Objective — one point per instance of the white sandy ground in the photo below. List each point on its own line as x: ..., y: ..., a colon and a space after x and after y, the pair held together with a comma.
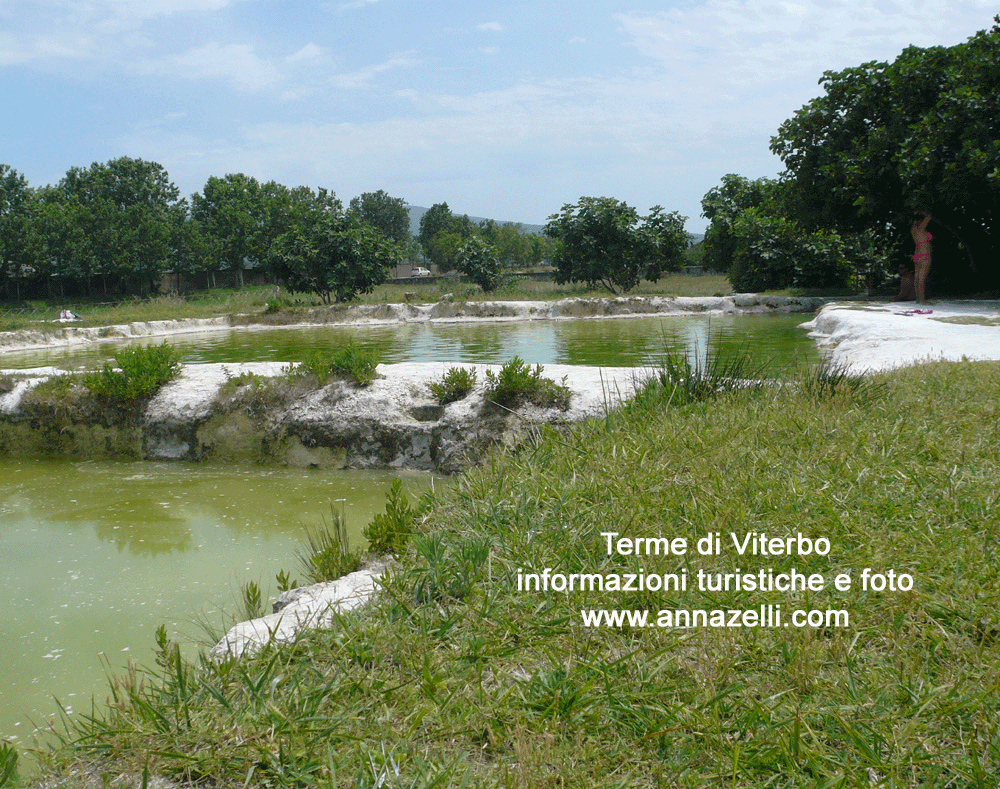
x: 870, y: 336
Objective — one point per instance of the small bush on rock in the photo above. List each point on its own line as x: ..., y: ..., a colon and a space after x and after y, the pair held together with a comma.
x: 141, y: 371
x: 347, y: 361
x: 517, y: 383
x: 454, y: 385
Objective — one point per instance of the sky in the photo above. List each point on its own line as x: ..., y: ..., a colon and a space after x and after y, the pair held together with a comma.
x: 506, y: 110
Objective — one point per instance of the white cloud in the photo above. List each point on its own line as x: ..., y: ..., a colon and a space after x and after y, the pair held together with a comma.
x: 310, y: 53
x: 237, y: 64
x: 363, y: 78
x: 86, y: 29
x: 490, y: 27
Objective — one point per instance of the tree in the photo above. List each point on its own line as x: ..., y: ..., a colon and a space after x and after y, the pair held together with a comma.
x: 124, y: 208
x: 336, y: 257
x: 388, y: 214
x: 920, y: 133
x: 602, y: 241
x: 480, y: 261
x: 436, y: 219
x: 444, y: 250
x: 439, y: 228
x: 722, y: 206
x: 232, y: 215
x: 21, y: 244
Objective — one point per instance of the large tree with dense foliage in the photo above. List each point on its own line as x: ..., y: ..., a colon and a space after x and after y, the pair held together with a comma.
x: 384, y: 212
x: 120, y: 217
x: 920, y: 133
x: 758, y: 237
x: 441, y: 234
x: 722, y: 206
x: 481, y: 262
x: 605, y: 242
x: 21, y: 245
x: 336, y: 257
x: 232, y: 216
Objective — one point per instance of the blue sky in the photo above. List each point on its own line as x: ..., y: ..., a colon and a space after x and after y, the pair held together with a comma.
x: 502, y: 109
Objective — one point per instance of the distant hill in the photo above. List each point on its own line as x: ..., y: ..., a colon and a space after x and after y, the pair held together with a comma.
x: 417, y: 211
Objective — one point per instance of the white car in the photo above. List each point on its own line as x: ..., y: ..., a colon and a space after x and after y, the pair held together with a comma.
x: 419, y: 271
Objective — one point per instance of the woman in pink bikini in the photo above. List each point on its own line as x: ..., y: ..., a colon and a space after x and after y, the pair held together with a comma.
x: 922, y: 255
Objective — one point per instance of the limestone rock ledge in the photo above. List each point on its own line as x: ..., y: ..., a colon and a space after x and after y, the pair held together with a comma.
x: 307, y: 607
x: 394, y: 423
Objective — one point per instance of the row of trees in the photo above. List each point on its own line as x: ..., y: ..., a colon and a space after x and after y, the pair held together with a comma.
x: 112, y: 225
x: 105, y: 228
x: 886, y: 139
x: 599, y: 241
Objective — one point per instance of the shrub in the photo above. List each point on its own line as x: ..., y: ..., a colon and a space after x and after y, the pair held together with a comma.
x: 517, y: 382
x: 141, y: 371
x: 347, y: 361
x: 454, y: 385
x: 389, y: 532
x: 327, y: 555
x: 679, y: 381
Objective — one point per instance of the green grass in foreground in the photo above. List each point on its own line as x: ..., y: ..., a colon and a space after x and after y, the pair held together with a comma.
x: 455, y: 678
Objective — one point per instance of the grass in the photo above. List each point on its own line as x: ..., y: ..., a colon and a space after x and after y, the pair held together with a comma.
x: 327, y: 555
x: 453, y: 677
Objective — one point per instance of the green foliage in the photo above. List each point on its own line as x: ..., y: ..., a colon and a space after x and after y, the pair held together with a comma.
x: 389, y: 532
x: 285, y: 582
x: 348, y: 361
x: 480, y: 261
x: 141, y: 371
x: 251, y: 601
x: 828, y: 379
x: 446, y: 571
x: 758, y: 236
x: 602, y: 241
x: 335, y: 257
x: 386, y: 213
x: 326, y: 555
x: 517, y: 382
x: 272, y: 306
x: 722, y: 206
x: 919, y: 133
x: 8, y: 764
x: 454, y: 385
x: 679, y: 381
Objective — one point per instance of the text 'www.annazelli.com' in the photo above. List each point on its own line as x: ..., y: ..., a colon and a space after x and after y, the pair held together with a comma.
x: 766, y: 616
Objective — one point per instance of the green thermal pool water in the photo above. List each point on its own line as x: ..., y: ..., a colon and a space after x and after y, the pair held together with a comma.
x: 626, y: 342
x: 96, y: 555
